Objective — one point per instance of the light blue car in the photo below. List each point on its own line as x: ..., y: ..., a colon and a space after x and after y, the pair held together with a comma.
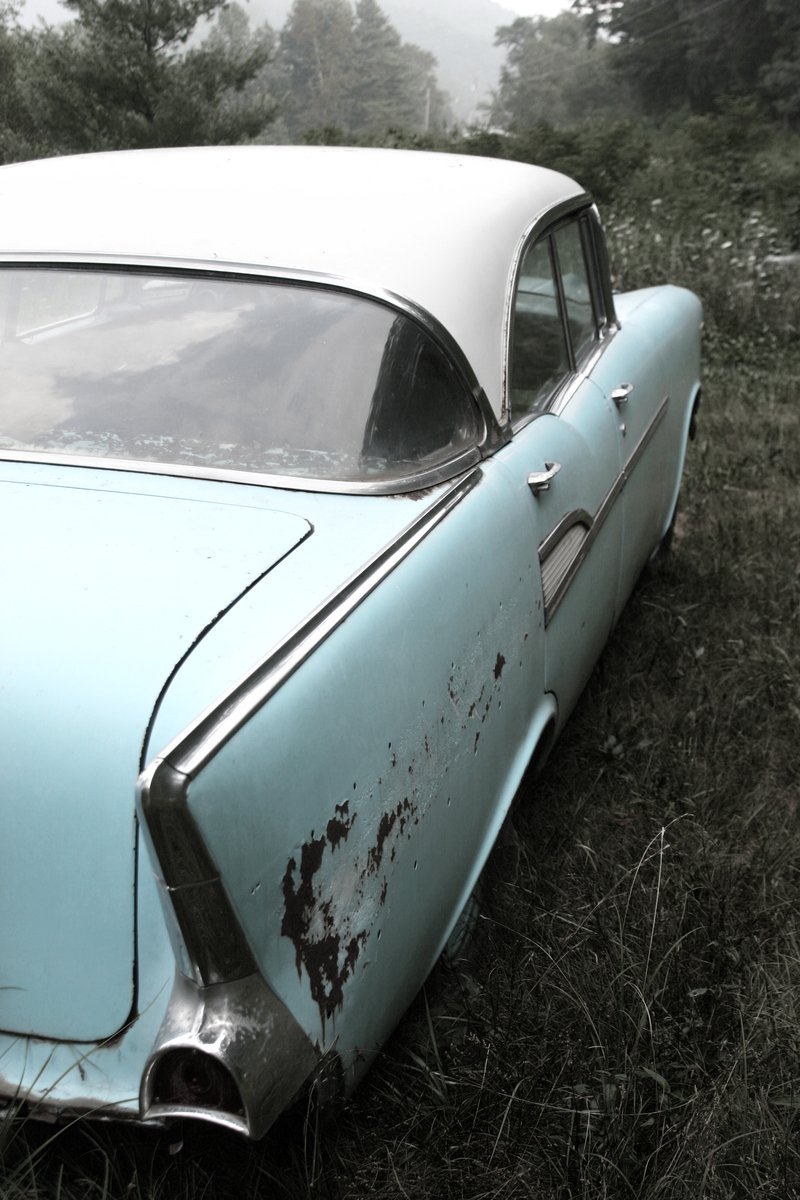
x: 325, y: 476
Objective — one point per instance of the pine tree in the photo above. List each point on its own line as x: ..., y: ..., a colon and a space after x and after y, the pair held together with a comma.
x: 123, y: 74
x: 316, y: 57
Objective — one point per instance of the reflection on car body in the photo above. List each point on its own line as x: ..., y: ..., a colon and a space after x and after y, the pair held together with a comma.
x: 323, y: 511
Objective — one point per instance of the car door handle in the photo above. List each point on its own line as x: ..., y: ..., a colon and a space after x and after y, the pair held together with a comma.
x: 539, y: 481
x: 620, y: 394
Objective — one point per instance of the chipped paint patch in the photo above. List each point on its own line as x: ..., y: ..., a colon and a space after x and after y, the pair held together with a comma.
x: 337, y: 885
x: 339, y: 826
x: 329, y: 908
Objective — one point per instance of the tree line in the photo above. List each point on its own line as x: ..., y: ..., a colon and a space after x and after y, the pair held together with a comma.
x: 137, y: 73
x: 650, y: 57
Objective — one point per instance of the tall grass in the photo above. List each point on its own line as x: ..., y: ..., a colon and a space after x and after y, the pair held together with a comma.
x: 626, y: 1021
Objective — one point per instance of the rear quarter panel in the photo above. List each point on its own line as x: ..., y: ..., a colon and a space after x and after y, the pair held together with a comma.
x: 671, y: 319
x: 351, y: 815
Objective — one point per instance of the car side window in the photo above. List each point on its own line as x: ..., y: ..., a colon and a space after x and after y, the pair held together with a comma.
x: 555, y: 322
x: 576, y: 290
x: 539, y: 351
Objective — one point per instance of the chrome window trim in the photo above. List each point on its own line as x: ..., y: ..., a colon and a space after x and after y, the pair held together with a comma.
x: 562, y: 397
x: 602, y: 267
x: 564, y: 392
x: 594, y: 524
x: 490, y: 435
x: 546, y: 222
x: 543, y: 224
x: 397, y: 486
x: 596, y: 255
x: 558, y: 279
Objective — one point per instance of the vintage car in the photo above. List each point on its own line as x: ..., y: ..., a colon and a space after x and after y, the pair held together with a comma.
x: 325, y: 474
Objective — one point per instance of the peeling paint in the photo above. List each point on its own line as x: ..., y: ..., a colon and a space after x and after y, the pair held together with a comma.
x: 339, y: 826
x: 309, y: 923
x: 338, y: 884
x: 329, y: 911
x: 386, y: 825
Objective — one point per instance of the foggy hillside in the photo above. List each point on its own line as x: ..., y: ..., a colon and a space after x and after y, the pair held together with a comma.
x: 460, y: 33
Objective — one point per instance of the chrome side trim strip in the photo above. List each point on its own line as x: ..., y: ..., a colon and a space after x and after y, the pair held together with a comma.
x: 207, y: 939
x: 580, y: 548
x: 646, y: 437
x: 199, y: 742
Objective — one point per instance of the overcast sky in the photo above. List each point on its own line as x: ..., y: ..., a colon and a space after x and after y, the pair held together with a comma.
x: 536, y: 8
x: 53, y: 11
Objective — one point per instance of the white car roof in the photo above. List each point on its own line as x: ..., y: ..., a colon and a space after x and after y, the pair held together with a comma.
x: 442, y: 231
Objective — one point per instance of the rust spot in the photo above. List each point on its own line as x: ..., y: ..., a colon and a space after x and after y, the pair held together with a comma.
x: 324, y: 929
x: 353, y: 951
x: 385, y: 827
x: 339, y: 826
x: 473, y: 708
x: 298, y: 902
x: 498, y: 666
x: 399, y: 816
x: 308, y: 923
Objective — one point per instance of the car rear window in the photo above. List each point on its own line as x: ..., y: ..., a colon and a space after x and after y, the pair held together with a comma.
x: 234, y: 374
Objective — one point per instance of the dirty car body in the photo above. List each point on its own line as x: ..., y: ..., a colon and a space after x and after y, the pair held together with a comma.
x: 325, y: 474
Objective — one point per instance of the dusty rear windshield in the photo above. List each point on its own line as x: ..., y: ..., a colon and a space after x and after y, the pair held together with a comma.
x: 234, y: 374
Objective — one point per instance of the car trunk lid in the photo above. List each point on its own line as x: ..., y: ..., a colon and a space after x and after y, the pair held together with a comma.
x: 108, y: 585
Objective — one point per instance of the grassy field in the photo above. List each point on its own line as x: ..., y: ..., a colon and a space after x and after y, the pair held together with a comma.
x: 626, y: 1022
